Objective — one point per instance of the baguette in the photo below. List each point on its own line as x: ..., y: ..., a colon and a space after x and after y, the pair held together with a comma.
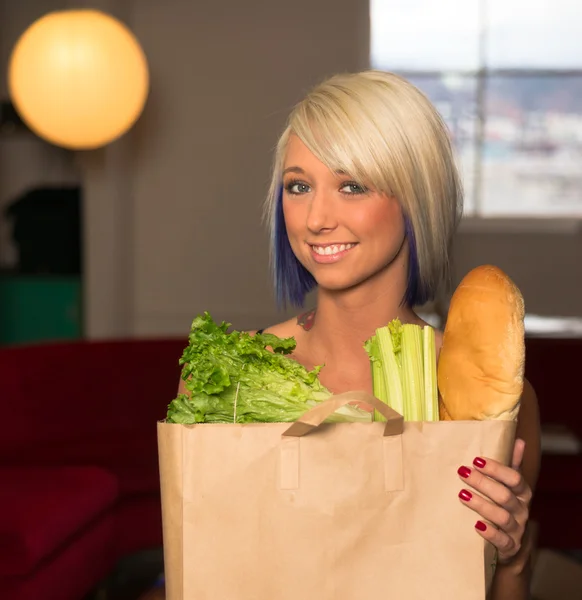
x: 482, y: 360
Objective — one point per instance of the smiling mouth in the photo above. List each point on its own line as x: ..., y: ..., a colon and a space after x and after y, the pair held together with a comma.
x: 331, y: 249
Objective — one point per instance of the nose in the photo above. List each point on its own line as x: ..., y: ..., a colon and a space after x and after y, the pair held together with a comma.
x: 322, y: 214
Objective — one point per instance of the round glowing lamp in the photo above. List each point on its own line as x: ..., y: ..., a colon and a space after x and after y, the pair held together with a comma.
x: 78, y: 78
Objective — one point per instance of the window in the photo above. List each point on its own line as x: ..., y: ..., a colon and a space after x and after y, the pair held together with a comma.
x: 507, y: 77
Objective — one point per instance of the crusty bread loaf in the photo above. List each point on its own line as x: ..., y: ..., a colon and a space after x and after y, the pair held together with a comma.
x: 482, y: 359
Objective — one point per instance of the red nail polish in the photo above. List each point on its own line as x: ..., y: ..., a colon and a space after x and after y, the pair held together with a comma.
x: 465, y: 495
x: 480, y: 526
x: 479, y: 462
x: 464, y: 472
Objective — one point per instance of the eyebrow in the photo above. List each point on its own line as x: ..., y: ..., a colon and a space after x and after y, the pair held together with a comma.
x: 300, y: 171
x: 294, y: 170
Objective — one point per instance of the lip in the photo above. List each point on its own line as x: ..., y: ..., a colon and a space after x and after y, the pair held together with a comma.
x: 330, y: 258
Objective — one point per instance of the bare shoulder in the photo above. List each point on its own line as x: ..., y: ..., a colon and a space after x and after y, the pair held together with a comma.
x: 296, y: 328
x: 285, y: 329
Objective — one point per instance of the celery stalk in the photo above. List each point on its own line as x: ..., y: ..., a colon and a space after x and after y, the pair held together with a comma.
x: 378, y: 380
x: 431, y: 401
x: 391, y: 368
x: 385, y: 370
x: 413, y: 373
x: 404, y: 372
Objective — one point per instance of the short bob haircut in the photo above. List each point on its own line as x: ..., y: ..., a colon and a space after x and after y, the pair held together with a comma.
x: 385, y: 133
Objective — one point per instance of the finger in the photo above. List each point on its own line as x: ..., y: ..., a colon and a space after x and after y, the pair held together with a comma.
x: 518, y: 452
x: 488, y: 511
x: 508, y: 476
x: 495, y: 486
x: 506, y: 546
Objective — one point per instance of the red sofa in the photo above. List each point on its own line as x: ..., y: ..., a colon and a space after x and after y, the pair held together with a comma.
x: 79, y: 470
x: 78, y: 461
x: 554, y: 367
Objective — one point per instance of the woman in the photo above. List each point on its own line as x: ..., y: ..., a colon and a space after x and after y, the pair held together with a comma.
x: 364, y: 200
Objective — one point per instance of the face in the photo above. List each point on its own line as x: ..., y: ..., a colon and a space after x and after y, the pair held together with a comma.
x: 340, y: 231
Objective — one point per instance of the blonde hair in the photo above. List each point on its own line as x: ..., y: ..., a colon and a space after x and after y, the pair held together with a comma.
x: 385, y: 133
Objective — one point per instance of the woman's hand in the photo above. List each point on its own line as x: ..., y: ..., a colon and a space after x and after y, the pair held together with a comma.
x: 504, y: 504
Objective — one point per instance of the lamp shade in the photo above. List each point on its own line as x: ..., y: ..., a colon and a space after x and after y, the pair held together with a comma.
x: 78, y: 78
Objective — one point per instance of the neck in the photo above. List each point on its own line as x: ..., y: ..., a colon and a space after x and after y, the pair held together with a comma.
x: 354, y: 316
x: 346, y: 319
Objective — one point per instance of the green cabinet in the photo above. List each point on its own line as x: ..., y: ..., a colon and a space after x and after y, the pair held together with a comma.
x: 35, y: 308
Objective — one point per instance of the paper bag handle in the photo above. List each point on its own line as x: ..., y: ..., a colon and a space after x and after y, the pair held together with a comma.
x: 314, y: 417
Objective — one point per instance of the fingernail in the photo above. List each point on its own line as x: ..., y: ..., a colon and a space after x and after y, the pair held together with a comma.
x: 465, y: 495
x: 464, y: 472
x: 480, y: 526
x: 479, y: 462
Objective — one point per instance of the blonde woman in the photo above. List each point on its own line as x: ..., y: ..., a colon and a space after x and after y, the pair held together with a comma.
x: 364, y: 201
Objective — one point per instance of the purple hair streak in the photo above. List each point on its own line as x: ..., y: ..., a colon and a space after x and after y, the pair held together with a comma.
x: 416, y: 293
x: 292, y: 280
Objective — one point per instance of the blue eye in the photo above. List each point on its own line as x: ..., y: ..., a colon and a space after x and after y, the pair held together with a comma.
x: 297, y: 188
x: 352, y: 188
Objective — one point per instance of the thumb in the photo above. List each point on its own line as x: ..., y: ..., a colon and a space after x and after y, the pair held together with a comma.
x: 518, y: 451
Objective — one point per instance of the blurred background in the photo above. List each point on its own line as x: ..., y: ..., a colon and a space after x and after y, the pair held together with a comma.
x: 107, y: 254
x: 169, y: 212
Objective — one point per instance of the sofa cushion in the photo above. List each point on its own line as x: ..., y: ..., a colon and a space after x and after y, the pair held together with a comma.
x: 42, y: 508
x: 91, y: 390
x: 73, y: 572
x: 130, y: 515
x: 560, y: 474
x: 133, y: 459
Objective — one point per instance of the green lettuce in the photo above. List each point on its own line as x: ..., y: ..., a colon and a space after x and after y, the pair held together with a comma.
x: 234, y: 377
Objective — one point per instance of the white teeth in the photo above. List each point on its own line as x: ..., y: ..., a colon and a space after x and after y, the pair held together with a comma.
x: 331, y: 250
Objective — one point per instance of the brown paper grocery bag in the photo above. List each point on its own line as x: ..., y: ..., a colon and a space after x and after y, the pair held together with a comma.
x: 312, y: 511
